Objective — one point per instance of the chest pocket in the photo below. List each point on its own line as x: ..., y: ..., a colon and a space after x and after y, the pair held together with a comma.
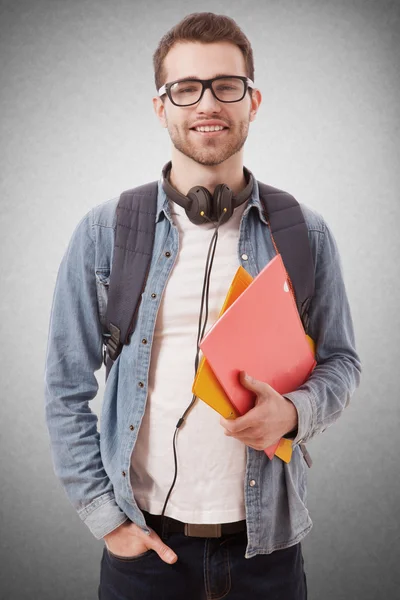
x: 102, y: 285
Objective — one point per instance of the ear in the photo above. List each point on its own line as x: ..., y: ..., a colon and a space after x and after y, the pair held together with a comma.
x: 256, y: 99
x: 159, y: 109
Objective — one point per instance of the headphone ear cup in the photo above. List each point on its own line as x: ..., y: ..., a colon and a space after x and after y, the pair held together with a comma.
x: 223, y: 198
x: 201, y: 202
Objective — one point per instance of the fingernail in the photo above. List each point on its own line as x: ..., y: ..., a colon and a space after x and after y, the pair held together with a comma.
x: 171, y: 557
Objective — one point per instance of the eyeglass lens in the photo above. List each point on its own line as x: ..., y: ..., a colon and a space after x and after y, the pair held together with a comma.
x: 227, y: 89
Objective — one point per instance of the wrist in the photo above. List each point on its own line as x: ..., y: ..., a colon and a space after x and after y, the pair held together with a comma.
x: 292, y: 420
x: 111, y: 534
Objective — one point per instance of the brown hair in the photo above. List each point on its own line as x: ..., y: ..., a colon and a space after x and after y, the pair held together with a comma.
x: 207, y: 28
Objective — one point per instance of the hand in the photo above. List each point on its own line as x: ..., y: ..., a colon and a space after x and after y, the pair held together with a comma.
x: 270, y: 419
x: 129, y: 540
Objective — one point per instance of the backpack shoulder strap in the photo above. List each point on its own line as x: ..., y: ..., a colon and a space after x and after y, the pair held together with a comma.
x: 290, y: 235
x: 133, y: 246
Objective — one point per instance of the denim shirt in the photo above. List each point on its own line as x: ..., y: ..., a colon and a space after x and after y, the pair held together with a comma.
x: 94, y: 467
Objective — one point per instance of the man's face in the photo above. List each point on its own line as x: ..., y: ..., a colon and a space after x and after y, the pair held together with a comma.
x: 205, y: 61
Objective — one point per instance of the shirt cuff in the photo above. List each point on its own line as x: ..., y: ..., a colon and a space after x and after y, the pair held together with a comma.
x: 102, y: 516
x: 305, y: 414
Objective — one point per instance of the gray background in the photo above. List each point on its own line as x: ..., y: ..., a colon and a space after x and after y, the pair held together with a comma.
x: 77, y: 127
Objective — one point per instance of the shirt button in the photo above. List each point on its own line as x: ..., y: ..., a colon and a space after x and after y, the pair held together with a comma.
x: 153, y: 295
x: 123, y: 473
x: 131, y: 427
x: 144, y: 341
x: 252, y: 483
x: 140, y: 384
x: 168, y: 254
x: 244, y: 256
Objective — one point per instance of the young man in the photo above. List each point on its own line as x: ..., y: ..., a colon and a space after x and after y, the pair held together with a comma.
x: 252, y: 509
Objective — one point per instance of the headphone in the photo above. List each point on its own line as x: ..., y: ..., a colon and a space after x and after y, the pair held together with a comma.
x: 201, y: 206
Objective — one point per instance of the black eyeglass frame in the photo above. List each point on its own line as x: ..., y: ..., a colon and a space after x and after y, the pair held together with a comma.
x: 206, y: 84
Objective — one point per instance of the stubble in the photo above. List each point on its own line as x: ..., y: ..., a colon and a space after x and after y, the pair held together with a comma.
x: 212, y: 151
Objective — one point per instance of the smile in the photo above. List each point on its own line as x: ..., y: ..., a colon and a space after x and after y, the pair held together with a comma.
x: 210, y: 133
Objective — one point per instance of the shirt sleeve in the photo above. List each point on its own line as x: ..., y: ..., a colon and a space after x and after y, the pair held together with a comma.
x: 74, y: 354
x: 323, y: 397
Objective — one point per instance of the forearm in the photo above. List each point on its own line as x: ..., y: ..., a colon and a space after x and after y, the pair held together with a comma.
x: 74, y: 354
x: 321, y: 400
x: 75, y: 449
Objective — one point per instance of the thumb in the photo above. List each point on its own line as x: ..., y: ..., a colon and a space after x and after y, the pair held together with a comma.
x: 164, y: 552
x: 254, y: 385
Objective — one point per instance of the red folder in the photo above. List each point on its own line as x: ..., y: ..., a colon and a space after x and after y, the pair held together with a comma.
x: 260, y: 333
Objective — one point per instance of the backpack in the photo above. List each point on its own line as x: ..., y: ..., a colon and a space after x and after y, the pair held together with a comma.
x: 134, y: 238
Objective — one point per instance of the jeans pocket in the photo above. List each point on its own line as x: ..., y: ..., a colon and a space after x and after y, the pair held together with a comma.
x: 129, y: 559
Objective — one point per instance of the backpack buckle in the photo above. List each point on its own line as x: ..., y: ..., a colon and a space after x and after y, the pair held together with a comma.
x: 113, y: 343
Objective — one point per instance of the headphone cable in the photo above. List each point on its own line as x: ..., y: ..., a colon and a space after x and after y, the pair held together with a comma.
x: 200, y: 334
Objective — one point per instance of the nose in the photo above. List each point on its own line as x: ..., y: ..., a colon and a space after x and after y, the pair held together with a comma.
x: 208, y: 103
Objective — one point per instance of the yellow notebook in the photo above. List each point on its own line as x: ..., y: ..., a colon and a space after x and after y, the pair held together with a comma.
x: 206, y: 385
x: 284, y: 450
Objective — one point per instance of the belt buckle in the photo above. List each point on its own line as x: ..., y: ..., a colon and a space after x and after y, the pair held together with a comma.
x: 201, y: 530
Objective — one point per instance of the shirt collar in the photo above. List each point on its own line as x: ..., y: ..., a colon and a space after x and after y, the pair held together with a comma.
x: 162, y: 203
x: 254, y: 200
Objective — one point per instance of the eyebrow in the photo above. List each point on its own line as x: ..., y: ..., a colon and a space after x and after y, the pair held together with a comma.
x: 197, y: 77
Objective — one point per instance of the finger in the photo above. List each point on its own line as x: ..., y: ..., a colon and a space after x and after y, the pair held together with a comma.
x: 252, y: 441
x: 258, y: 443
x: 246, y: 431
x: 237, y: 425
x: 244, y: 436
x: 164, y: 552
x: 247, y: 421
x: 255, y: 385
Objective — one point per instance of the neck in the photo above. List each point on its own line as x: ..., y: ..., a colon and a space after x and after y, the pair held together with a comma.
x: 186, y: 173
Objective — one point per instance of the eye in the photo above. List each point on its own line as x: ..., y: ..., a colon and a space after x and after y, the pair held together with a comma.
x: 183, y: 88
x: 227, y: 88
x: 187, y: 90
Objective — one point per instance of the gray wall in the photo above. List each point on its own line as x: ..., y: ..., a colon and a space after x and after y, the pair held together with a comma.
x: 77, y: 128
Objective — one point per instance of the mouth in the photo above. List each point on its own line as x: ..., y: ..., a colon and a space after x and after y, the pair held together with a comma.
x: 211, y: 133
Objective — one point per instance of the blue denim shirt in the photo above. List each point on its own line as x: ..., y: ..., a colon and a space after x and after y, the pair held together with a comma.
x: 94, y: 467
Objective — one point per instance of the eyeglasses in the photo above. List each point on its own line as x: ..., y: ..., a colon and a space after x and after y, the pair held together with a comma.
x: 185, y: 92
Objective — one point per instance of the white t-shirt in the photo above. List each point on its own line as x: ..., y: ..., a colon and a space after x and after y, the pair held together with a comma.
x: 211, y: 466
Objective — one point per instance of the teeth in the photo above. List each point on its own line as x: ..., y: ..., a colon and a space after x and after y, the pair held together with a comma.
x: 210, y: 128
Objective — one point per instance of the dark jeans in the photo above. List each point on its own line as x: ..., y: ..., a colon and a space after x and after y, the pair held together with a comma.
x: 206, y: 569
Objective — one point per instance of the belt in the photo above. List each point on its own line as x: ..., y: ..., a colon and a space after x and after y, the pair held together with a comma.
x: 170, y: 525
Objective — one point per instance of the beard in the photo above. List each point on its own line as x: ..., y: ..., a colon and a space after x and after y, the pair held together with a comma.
x: 212, y: 151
